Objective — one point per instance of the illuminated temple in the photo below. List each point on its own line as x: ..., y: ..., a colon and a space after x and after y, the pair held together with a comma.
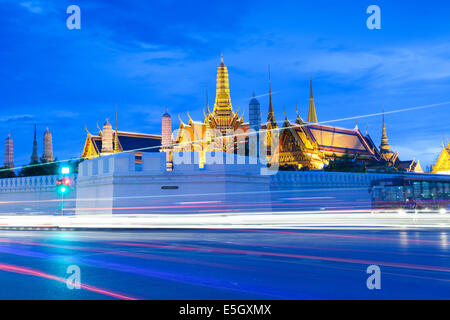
x: 442, y: 165
x: 297, y: 144
x: 109, y: 141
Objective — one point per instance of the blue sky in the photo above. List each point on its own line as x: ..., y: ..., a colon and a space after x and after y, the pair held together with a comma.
x: 145, y: 55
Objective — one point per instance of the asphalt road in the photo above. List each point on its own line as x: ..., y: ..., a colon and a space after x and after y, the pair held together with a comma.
x: 225, y: 264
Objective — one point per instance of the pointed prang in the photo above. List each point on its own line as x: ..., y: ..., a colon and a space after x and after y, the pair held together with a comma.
x: 312, y: 116
x: 34, y: 155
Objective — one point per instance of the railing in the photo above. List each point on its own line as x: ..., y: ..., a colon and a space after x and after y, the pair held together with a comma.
x: 36, y: 183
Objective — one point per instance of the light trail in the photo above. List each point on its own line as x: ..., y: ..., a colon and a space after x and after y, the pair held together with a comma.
x: 144, y: 256
x: 289, y: 255
x: 37, y: 273
x: 164, y: 275
x: 339, y: 236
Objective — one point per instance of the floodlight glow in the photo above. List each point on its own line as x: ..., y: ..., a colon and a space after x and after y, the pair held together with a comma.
x: 442, y: 211
x: 63, y: 190
x: 65, y: 170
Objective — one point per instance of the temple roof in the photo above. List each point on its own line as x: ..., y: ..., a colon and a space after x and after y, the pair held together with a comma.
x: 410, y: 166
x: 132, y: 141
x: 339, y: 140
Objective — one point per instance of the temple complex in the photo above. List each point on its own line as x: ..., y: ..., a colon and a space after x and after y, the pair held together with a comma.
x: 298, y: 144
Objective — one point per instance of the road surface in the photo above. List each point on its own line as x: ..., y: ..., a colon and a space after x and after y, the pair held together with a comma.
x: 225, y: 264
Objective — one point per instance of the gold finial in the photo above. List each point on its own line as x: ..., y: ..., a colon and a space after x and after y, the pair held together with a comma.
x: 116, y: 137
x: 207, y: 100
x: 299, y: 119
x: 99, y: 130
x: 181, y: 121
x: 116, y: 115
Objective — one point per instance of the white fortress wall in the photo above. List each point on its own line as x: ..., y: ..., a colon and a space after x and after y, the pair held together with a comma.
x: 33, y: 195
x: 115, y: 184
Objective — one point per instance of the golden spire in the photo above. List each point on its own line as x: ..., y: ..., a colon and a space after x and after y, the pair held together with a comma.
x: 223, y: 99
x: 312, y: 116
x: 207, y: 101
x: 99, y: 130
x: 384, y: 147
x: 116, y: 137
x: 271, y: 114
x: 181, y: 121
x: 223, y: 110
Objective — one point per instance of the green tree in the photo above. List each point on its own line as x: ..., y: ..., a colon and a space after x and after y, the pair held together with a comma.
x: 42, y: 168
x: 6, y: 173
x: 345, y: 163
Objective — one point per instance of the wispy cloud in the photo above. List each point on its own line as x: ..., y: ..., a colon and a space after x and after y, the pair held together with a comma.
x: 17, y: 117
x: 65, y: 114
x: 32, y: 6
